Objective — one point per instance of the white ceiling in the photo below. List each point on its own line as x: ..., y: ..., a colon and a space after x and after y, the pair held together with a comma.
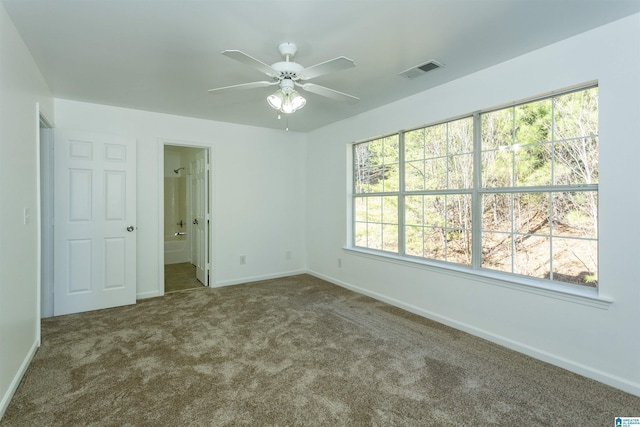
x: 163, y: 55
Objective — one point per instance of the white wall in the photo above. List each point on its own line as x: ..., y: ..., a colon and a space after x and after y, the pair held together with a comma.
x: 600, y: 342
x: 21, y: 88
x: 258, y: 190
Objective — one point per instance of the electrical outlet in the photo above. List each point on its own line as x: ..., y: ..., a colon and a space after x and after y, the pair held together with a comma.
x: 339, y: 262
x: 287, y: 255
x: 243, y: 259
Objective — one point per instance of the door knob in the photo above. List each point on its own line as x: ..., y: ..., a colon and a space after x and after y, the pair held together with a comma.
x: 130, y: 228
x: 195, y: 221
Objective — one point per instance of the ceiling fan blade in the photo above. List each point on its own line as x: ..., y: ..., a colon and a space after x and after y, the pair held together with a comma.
x: 250, y: 61
x: 330, y: 66
x: 329, y: 93
x: 242, y: 86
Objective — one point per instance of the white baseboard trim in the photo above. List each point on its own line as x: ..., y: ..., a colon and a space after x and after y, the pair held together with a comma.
x: 155, y: 293
x: 6, y: 399
x: 149, y: 294
x: 570, y: 365
x: 258, y: 278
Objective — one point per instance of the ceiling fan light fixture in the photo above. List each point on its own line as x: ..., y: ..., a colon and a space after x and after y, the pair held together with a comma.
x: 287, y: 102
x: 293, y: 102
x: 276, y: 100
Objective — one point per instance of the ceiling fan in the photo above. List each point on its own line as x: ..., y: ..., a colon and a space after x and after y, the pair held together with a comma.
x: 288, y: 75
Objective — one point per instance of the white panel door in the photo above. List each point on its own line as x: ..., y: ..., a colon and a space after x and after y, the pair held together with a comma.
x: 199, y: 171
x: 94, y: 222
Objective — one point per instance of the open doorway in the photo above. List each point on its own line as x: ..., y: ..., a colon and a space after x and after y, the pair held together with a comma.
x: 186, y: 218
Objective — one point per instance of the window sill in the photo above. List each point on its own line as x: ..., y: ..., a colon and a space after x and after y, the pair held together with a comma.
x: 556, y: 290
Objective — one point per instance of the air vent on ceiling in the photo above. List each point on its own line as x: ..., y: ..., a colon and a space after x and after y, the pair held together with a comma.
x: 419, y: 70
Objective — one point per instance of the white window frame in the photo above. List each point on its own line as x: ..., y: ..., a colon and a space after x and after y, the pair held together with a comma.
x: 584, y: 294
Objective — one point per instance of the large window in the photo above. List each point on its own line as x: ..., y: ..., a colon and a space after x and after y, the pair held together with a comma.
x: 513, y: 190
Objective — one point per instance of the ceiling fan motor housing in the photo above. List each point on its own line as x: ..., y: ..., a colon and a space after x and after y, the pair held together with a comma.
x: 287, y: 70
x: 286, y: 85
x: 287, y: 50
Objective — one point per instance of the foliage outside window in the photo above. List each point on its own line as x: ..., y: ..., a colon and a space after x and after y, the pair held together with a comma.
x: 513, y: 190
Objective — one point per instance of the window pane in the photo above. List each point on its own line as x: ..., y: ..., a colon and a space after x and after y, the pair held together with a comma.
x: 391, y: 149
x: 376, y: 149
x: 435, y: 244
x: 497, y: 129
x: 375, y: 165
x: 414, y: 145
x: 497, y: 168
x: 461, y: 171
x: 533, y: 122
x: 390, y: 210
x: 414, y: 176
x: 576, y: 161
x: 361, y: 209
x: 414, y: 241
x: 374, y: 236
x: 374, y: 209
x: 576, y: 114
x: 436, y: 174
x: 531, y: 213
x: 575, y: 214
x: 369, y: 170
x: 413, y: 210
x: 496, y: 212
x: 360, y: 168
x: 461, y: 136
x: 575, y: 261
x: 361, y: 234
x: 533, y: 165
x: 390, y: 238
x: 459, y: 246
x: 391, y: 178
x: 459, y: 212
x: 359, y: 186
x: 532, y: 256
x: 435, y: 141
x: 497, y: 252
x: 458, y: 232
x: 434, y: 211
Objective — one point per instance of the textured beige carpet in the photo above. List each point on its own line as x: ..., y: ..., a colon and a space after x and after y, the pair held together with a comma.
x: 291, y: 352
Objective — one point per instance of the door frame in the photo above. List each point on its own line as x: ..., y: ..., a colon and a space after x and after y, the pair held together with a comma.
x: 210, y: 229
x: 45, y: 215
